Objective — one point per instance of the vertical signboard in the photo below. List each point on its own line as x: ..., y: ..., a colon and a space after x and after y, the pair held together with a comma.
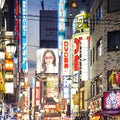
x: 66, y: 88
x: 75, y: 59
x: 16, y: 20
x: 84, y: 51
x: 61, y: 22
x: 52, y: 86
x: 24, y: 41
x: 66, y: 57
x: 37, y: 92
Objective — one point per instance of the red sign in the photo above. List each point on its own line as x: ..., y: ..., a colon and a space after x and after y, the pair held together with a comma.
x: 76, y: 54
x: 37, y: 92
x: 16, y: 20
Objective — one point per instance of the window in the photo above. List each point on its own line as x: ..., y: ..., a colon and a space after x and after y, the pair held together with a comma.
x: 113, y: 41
x: 113, y: 5
x: 99, y: 14
x: 92, y: 24
x: 96, y: 86
x: 99, y: 48
x: 92, y: 89
x: 99, y: 85
x: 93, y: 55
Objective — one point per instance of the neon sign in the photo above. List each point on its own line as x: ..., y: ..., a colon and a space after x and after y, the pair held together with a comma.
x: 24, y: 43
x: 112, y: 100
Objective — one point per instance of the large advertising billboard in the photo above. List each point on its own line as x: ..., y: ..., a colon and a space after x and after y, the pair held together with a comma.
x: 52, y: 86
x: 48, y: 25
x: 47, y: 61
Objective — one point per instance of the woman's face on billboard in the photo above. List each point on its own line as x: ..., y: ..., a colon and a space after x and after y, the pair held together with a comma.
x: 49, y: 58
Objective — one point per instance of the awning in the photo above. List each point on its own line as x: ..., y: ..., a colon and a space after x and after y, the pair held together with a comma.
x: 52, y: 115
x: 108, y: 112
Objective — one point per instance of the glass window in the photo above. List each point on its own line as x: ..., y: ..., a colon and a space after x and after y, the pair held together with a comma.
x: 99, y: 14
x: 99, y: 84
x: 113, y: 41
x: 99, y: 48
x: 93, y: 55
x: 92, y: 89
x: 113, y: 5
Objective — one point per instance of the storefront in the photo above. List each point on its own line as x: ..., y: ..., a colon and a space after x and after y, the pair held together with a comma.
x: 96, y: 107
x: 110, y: 106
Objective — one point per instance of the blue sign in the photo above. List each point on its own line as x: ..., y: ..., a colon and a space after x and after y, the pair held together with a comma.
x: 66, y: 88
x: 24, y: 43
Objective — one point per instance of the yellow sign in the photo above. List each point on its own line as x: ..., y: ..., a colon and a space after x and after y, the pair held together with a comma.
x: 77, y: 99
x: 81, y: 21
x: 2, y: 84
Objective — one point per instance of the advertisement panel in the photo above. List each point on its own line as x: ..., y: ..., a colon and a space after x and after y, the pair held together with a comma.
x: 84, y: 52
x: 111, y: 100
x: 52, y: 86
x: 113, y: 78
x: 24, y: 40
x: 61, y: 23
x: 47, y: 60
x: 9, y: 87
x: 66, y: 88
x: 66, y: 57
x: 80, y: 22
x: 75, y: 57
x: 37, y: 92
x: 48, y: 25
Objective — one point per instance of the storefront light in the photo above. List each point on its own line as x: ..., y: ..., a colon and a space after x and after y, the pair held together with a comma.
x: 9, y: 64
x: 10, y: 48
x: 8, y: 76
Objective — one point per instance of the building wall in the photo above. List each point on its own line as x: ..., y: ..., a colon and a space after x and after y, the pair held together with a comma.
x: 108, y: 60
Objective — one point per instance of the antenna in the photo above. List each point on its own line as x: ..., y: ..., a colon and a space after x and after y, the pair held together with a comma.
x: 42, y: 4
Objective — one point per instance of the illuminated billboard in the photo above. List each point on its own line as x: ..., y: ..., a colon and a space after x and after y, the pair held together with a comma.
x: 80, y: 22
x: 75, y: 57
x: 9, y: 87
x: 113, y: 78
x: 24, y: 40
x: 52, y: 86
x: 66, y: 57
x: 37, y: 92
x: 61, y: 22
x: 111, y: 100
x: 47, y: 60
x: 66, y: 88
x: 84, y: 52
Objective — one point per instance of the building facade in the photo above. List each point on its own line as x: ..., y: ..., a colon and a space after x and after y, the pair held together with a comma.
x: 105, y: 56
